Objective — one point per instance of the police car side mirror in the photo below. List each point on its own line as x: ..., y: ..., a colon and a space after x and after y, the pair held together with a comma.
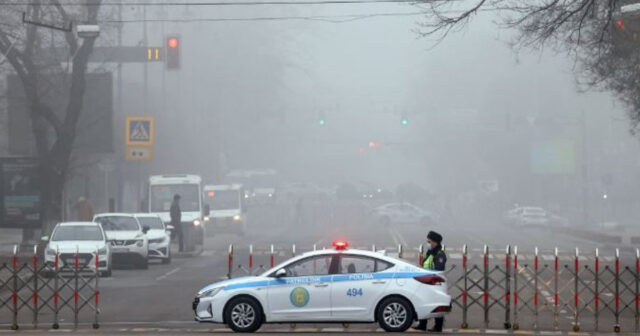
x: 281, y: 273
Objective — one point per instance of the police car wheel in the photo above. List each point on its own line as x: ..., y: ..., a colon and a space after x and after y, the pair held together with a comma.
x: 243, y: 315
x: 395, y: 314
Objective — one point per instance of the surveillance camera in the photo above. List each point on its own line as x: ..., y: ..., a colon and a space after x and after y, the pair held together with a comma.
x: 88, y: 31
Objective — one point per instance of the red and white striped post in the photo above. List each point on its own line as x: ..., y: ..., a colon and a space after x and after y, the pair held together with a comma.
x: 76, y: 262
x: 555, y: 290
x: 507, y: 288
x: 576, y: 297
x: 14, y: 294
x: 516, y: 325
x: 271, y: 256
x: 420, y: 255
x: 293, y: 250
x: 35, y: 286
x: 616, y: 327
x: 637, y: 290
x: 56, y: 263
x: 465, y: 274
x: 399, y: 251
x: 535, y: 287
x: 485, y: 292
x: 250, y: 259
x: 96, y: 292
x: 230, y: 261
x: 596, y: 299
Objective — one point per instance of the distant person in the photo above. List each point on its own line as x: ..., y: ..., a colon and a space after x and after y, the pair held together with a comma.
x: 83, y: 210
x: 176, y: 221
x: 434, y: 260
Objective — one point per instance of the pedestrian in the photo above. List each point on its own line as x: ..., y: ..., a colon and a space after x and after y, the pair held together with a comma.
x: 434, y: 260
x: 83, y: 210
x: 176, y: 221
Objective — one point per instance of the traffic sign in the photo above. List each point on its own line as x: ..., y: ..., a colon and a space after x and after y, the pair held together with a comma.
x: 140, y: 131
x: 139, y: 153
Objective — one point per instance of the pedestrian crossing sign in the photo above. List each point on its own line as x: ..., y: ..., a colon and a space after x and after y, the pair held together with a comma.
x: 140, y: 131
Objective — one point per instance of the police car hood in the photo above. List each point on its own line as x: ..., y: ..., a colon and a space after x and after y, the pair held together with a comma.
x: 233, y: 281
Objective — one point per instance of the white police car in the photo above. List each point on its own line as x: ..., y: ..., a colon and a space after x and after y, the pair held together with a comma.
x: 341, y: 285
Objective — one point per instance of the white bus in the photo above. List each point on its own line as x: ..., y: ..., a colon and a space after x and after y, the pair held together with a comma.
x: 226, y: 211
x: 162, y: 189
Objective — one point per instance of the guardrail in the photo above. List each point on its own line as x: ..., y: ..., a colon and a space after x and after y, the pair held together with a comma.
x: 555, y: 291
x: 33, y: 289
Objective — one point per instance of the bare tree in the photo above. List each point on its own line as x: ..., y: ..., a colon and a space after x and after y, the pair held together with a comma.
x: 25, y: 48
x: 584, y: 29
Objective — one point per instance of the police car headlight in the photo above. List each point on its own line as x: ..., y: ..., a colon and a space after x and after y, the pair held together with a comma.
x: 211, y: 292
x: 237, y: 218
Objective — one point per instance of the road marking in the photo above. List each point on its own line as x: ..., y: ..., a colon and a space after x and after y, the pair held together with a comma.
x: 167, y: 274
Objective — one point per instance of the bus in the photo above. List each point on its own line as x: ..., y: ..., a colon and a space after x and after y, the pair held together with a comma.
x: 162, y: 189
x: 226, y: 210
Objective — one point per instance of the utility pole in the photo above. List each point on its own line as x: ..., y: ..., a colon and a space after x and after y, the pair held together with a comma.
x: 585, y: 170
x: 120, y: 103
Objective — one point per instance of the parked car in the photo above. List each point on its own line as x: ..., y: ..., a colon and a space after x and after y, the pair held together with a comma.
x: 533, y: 217
x: 402, y: 213
x: 159, y: 236
x: 127, y: 238
x: 84, y: 238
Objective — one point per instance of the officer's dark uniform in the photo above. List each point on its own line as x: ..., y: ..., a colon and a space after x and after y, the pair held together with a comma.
x: 176, y: 221
x: 434, y: 260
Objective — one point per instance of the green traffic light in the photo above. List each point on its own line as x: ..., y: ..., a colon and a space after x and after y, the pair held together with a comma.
x: 405, y: 121
x: 321, y: 122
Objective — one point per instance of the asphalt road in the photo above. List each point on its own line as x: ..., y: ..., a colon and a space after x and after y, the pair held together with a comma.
x: 158, y: 300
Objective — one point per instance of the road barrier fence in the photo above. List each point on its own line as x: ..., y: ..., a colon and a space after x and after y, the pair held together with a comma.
x: 64, y: 289
x: 555, y: 290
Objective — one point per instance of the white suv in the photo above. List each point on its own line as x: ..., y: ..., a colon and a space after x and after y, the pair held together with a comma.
x: 159, y: 236
x: 127, y: 237
x: 85, y: 238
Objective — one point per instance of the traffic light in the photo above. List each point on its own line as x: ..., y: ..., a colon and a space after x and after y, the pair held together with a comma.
x: 321, y: 119
x: 173, y: 52
x: 405, y: 120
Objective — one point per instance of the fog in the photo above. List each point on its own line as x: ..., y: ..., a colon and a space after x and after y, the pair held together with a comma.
x: 483, y: 122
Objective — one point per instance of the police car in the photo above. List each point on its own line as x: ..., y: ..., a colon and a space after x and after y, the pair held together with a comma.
x: 340, y: 285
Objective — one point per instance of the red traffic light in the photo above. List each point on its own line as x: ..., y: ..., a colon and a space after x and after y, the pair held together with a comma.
x: 172, y: 43
x: 619, y: 24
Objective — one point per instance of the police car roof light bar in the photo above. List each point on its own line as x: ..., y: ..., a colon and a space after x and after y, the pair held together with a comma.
x: 340, y: 245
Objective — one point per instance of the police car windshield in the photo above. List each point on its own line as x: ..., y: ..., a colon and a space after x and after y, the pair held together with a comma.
x: 153, y: 223
x: 77, y: 232
x: 118, y: 223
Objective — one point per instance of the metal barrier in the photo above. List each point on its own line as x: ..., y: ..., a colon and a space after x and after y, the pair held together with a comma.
x: 68, y: 285
x: 539, y: 291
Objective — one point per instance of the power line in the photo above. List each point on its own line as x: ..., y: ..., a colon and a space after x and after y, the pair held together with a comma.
x: 325, y: 18
x: 218, y: 3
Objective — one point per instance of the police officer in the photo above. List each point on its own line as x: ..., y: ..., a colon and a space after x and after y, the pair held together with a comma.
x: 434, y: 260
x: 176, y: 220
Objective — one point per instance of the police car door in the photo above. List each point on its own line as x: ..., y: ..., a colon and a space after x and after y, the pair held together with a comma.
x: 358, y: 287
x: 304, y: 294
